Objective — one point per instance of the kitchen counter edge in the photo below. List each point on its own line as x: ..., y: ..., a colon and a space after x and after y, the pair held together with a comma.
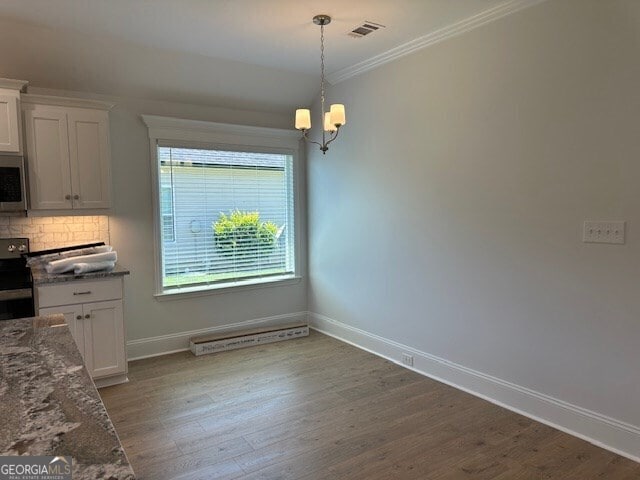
x: 50, y: 404
x: 41, y: 277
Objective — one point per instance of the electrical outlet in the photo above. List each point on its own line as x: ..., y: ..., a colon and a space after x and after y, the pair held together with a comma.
x: 407, y: 359
x: 603, y: 232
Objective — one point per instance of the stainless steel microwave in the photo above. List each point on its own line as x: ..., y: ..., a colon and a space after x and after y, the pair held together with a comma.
x: 13, y: 194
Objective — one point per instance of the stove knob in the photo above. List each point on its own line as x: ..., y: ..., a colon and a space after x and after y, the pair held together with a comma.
x: 11, y: 248
x: 22, y: 248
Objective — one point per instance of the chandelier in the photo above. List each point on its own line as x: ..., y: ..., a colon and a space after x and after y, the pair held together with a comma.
x: 335, y: 117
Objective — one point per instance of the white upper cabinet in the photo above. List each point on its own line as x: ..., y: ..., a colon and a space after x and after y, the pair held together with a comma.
x: 68, y: 155
x: 48, y: 157
x: 10, y: 122
x: 90, y: 158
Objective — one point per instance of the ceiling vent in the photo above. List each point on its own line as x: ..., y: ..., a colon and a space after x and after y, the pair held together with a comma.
x: 365, y: 29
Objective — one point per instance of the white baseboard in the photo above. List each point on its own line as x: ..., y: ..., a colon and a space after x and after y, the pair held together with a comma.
x: 619, y: 437
x: 179, y: 342
x: 109, y: 381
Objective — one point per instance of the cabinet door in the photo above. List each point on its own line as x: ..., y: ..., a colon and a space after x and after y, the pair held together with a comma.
x: 90, y: 157
x: 48, y: 157
x: 74, y: 317
x: 104, y: 338
x: 9, y: 124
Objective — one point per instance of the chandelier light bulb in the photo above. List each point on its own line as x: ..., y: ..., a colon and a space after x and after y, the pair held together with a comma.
x: 303, y: 119
x: 329, y: 126
x: 338, y: 116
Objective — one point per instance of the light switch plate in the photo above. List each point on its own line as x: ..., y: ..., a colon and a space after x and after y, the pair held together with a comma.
x: 603, y: 232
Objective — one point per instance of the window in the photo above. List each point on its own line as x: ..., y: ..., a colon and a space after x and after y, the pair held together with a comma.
x: 224, y: 205
x: 227, y: 216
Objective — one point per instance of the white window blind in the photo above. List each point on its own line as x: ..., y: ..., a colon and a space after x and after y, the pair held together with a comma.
x: 226, y: 216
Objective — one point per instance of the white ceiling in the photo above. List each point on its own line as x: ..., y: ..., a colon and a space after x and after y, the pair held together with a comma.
x: 239, y: 53
x: 272, y: 33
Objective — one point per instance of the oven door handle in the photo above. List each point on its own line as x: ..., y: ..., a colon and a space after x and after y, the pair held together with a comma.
x: 17, y: 294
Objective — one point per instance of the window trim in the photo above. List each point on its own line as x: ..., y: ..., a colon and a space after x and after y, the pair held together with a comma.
x: 176, y: 132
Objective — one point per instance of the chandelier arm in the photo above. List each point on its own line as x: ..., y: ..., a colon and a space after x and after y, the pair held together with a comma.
x: 333, y: 137
x: 307, y: 139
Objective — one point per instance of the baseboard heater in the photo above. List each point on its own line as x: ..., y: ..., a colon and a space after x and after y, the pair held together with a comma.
x: 220, y: 342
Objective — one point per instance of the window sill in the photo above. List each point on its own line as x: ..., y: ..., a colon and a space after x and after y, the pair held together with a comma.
x: 205, y: 290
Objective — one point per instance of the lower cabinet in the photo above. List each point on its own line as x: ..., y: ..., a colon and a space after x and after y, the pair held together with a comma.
x: 97, y: 325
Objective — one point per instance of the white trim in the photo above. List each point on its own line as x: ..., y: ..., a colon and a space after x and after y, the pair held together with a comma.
x: 603, y: 431
x: 109, y: 381
x: 218, y: 288
x: 157, y: 216
x: 216, y: 135
x: 31, y: 98
x: 457, y: 28
x: 11, y: 84
x: 70, y: 213
x: 180, y: 129
x: 179, y: 342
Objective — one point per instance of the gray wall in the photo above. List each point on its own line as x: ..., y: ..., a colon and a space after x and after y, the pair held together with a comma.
x: 448, y: 216
x: 131, y: 231
x: 58, y: 62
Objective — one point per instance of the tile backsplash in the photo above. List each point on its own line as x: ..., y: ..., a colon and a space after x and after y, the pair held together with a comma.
x: 55, y: 232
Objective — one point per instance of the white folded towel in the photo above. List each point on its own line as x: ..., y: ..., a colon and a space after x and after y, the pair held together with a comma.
x: 67, y: 264
x: 51, y: 257
x: 80, y: 268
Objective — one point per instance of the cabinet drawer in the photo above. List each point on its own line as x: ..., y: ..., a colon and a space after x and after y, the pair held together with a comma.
x: 70, y: 293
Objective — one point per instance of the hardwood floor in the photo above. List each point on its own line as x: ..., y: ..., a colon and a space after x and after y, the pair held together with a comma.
x: 319, y: 409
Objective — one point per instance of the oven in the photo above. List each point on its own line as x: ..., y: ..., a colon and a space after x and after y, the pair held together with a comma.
x: 16, y: 282
x: 13, y: 195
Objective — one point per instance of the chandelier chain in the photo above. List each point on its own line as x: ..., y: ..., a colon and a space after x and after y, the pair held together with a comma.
x: 322, y: 67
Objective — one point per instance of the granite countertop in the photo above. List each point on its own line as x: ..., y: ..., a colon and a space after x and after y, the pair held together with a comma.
x: 49, y: 404
x: 41, y: 277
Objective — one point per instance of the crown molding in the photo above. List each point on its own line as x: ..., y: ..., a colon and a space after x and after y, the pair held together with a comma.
x: 12, y: 84
x: 31, y: 98
x: 457, y: 28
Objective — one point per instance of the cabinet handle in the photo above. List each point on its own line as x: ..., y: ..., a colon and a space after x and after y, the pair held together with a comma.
x: 76, y: 197
x: 88, y: 292
x: 79, y: 317
x: 67, y: 197
x: 87, y: 315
